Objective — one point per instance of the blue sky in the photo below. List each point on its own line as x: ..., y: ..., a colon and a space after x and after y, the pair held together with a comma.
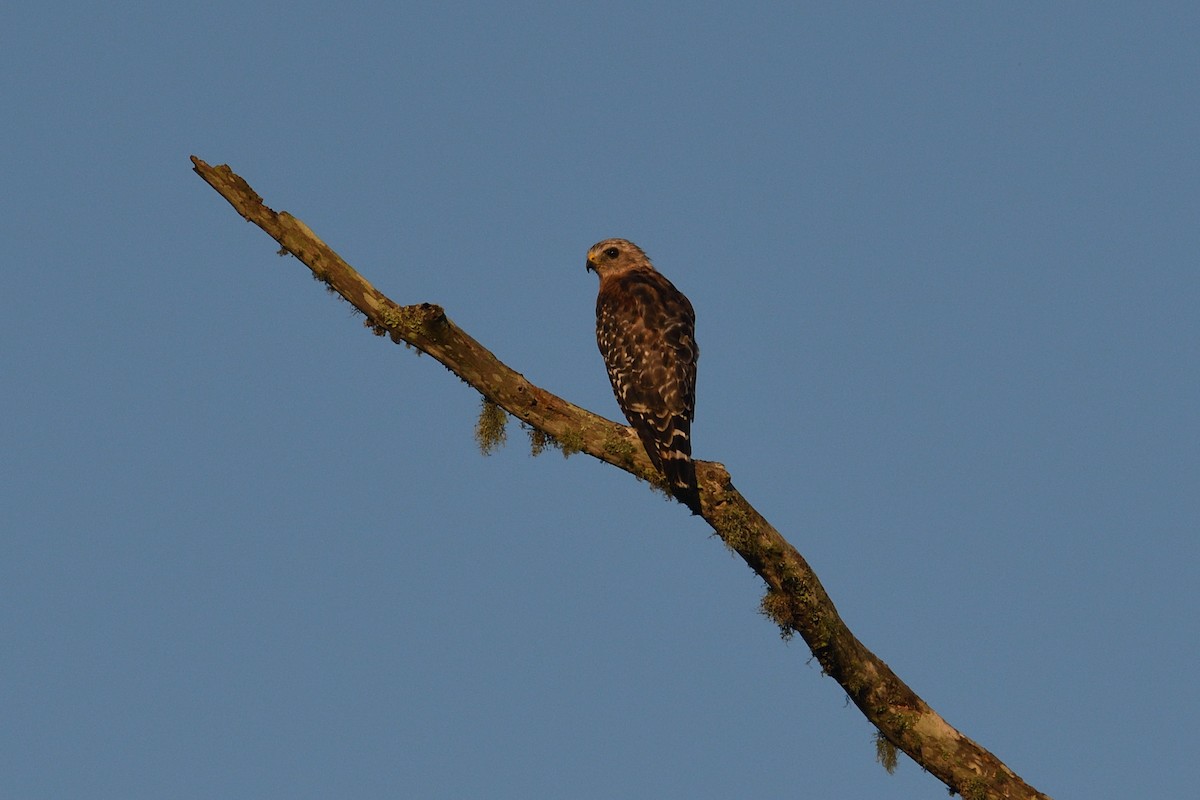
x: 944, y: 263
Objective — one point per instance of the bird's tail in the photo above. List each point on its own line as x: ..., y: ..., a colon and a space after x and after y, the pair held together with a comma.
x: 688, y: 494
x: 675, y: 462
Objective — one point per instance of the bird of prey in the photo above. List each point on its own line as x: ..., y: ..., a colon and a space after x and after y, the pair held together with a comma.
x: 645, y: 329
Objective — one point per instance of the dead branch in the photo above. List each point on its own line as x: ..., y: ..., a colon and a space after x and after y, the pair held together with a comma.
x: 795, y: 598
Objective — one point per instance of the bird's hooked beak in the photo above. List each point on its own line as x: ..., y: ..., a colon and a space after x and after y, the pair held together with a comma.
x: 590, y: 266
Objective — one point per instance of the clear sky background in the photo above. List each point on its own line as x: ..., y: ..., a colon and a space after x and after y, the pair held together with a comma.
x: 944, y: 259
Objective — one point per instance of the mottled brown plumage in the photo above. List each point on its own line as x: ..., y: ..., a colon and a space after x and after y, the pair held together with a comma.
x: 645, y: 329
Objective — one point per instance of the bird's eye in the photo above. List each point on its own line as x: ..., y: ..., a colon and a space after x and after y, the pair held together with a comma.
x: 612, y: 252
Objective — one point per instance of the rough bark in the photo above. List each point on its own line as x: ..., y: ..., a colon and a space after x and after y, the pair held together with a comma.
x: 795, y: 598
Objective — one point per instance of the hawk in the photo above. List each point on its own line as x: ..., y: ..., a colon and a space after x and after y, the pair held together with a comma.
x: 645, y: 329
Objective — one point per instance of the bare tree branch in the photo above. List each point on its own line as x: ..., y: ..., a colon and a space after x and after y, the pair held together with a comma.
x: 794, y: 598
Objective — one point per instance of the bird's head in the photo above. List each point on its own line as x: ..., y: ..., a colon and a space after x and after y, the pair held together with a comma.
x: 615, y: 255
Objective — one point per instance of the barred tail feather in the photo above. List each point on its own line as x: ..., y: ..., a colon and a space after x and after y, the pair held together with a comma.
x: 667, y: 442
x: 683, y: 483
x: 675, y: 461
